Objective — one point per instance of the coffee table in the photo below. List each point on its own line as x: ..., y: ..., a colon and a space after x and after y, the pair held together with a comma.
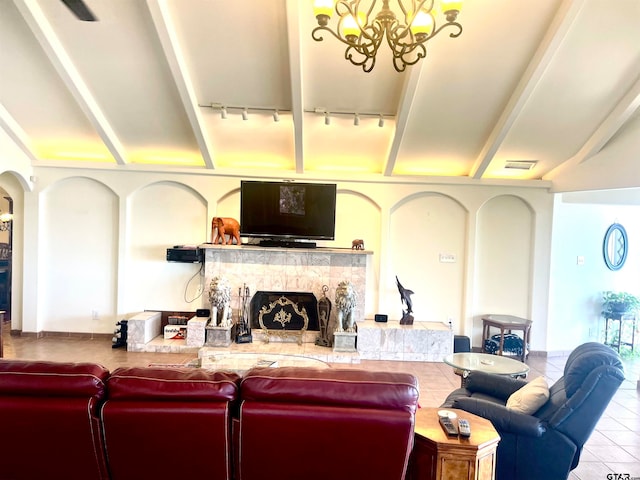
x: 466, y: 362
x: 437, y: 456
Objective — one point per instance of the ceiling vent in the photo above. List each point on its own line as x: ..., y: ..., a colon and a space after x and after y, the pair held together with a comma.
x: 520, y: 164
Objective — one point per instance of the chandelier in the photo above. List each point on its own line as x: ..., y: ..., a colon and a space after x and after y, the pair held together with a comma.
x: 363, y: 31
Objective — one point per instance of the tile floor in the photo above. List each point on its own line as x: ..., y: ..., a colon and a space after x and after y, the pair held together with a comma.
x: 614, y: 448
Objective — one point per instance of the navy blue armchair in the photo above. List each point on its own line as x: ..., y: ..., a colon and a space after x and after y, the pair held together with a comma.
x: 546, y: 444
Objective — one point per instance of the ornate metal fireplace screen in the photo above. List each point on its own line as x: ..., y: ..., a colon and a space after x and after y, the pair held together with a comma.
x: 283, y: 318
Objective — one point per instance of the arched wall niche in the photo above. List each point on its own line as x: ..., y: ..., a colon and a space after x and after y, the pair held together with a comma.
x: 503, y: 260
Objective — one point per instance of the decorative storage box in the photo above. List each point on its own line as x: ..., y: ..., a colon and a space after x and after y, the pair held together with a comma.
x: 175, y: 332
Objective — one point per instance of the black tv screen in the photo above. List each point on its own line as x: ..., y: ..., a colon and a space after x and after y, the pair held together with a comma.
x: 287, y: 210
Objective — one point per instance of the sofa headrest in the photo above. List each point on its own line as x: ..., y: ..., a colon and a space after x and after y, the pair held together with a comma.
x: 342, y: 387
x: 190, y: 384
x: 585, y: 359
x: 52, y: 379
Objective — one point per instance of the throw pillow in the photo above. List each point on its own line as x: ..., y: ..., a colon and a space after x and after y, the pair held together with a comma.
x: 529, y: 398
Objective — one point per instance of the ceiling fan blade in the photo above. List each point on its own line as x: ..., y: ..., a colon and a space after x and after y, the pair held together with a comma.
x: 80, y: 10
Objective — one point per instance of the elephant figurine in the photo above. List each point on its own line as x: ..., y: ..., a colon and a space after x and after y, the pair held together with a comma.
x: 357, y: 244
x: 223, y: 226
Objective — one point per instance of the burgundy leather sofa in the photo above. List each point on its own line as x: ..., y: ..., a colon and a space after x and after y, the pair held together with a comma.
x: 169, y: 423
x: 49, y: 425
x: 298, y: 423
x: 78, y: 421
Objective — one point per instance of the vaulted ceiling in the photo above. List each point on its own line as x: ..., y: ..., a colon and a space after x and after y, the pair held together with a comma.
x: 551, y: 81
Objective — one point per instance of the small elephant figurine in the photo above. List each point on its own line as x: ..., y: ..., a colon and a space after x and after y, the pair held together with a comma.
x: 357, y: 244
x: 223, y: 226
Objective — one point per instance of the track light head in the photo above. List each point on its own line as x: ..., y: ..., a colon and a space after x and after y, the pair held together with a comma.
x: 356, y: 119
x: 276, y: 116
x: 245, y: 114
x: 223, y: 113
x: 327, y: 118
x: 381, y: 121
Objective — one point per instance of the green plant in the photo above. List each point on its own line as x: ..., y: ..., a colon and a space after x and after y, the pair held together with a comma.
x: 619, y: 302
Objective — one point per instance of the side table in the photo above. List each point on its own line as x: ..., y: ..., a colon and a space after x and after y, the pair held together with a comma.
x: 621, y: 319
x: 506, y: 323
x: 436, y: 456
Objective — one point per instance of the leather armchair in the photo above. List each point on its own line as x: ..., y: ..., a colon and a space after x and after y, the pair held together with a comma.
x: 548, y: 443
x: 49, y: 420
x: 316, y: 424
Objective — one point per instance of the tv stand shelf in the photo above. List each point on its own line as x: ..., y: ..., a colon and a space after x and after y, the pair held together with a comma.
x: 287, y: 244
x: 302, y: 246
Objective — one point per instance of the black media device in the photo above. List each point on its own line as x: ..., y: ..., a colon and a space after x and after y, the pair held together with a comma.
x: 185, y: 254
x: 378, y: 317
x: 287, y: 214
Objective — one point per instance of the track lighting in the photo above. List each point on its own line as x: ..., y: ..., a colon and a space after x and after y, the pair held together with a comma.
x: 327, y: 118
x: 381, y: 121
x: 356, y: 119
x: 245, y: 114
x: 276, y: 116
x: 223, y: 113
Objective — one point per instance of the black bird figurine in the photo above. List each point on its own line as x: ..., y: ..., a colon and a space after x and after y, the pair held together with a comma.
x: 405, y: 297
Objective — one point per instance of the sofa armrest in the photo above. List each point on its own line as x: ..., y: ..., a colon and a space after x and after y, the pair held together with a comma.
x: 498, y: 386
x: 503, y: 419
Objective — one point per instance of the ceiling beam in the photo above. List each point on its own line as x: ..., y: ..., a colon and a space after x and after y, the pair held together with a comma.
x: 558, y: 29
x: 50, y: 43
x: 621, y: 113
x: 295, y: 73
x: 407, y: 97
x: 16, y: 133
x: 164, y: 26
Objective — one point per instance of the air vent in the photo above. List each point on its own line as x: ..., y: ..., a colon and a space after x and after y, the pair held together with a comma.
x: 520, y: 164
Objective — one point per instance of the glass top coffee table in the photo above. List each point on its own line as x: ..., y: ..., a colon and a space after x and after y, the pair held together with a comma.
x: 242, y: 362
x: 466, y: 362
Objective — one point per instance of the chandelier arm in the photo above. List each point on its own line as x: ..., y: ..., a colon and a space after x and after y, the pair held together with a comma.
x: 367, y: 58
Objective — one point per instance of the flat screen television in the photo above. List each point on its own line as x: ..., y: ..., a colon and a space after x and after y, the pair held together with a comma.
x: 287, y: 211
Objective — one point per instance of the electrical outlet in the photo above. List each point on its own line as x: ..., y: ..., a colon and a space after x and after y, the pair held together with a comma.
x: 94, y: 315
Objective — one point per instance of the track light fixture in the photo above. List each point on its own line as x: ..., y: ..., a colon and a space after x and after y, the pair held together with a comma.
x: 245, y: 110
x: 356, y: 115
x: 363, y: 31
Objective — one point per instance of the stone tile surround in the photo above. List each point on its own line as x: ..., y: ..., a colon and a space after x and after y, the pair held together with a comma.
x: 420, y: 342
x: 288, y: 270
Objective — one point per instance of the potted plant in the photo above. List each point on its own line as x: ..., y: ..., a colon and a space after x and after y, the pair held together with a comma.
x: 615, y: 304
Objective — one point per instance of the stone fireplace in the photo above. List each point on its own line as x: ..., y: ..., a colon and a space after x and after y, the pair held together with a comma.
x: 294, y: 271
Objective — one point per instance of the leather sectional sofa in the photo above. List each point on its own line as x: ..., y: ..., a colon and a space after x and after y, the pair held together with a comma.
x: 80, y: 421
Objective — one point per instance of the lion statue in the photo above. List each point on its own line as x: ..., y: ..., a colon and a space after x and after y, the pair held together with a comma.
x: 346, y: 301
x: 220, y: 299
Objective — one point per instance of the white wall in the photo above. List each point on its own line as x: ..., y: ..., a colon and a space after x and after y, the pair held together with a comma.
x: 135, y: 215
x: 576, y: 290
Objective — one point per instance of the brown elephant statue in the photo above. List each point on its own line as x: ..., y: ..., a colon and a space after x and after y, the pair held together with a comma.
x: 222, y: 226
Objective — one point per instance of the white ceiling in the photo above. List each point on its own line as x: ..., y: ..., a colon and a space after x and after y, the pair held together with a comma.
x: 547, y: 80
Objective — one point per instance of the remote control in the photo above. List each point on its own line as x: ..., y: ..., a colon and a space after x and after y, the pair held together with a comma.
x: 448, y: 426
x: 464, y: 427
